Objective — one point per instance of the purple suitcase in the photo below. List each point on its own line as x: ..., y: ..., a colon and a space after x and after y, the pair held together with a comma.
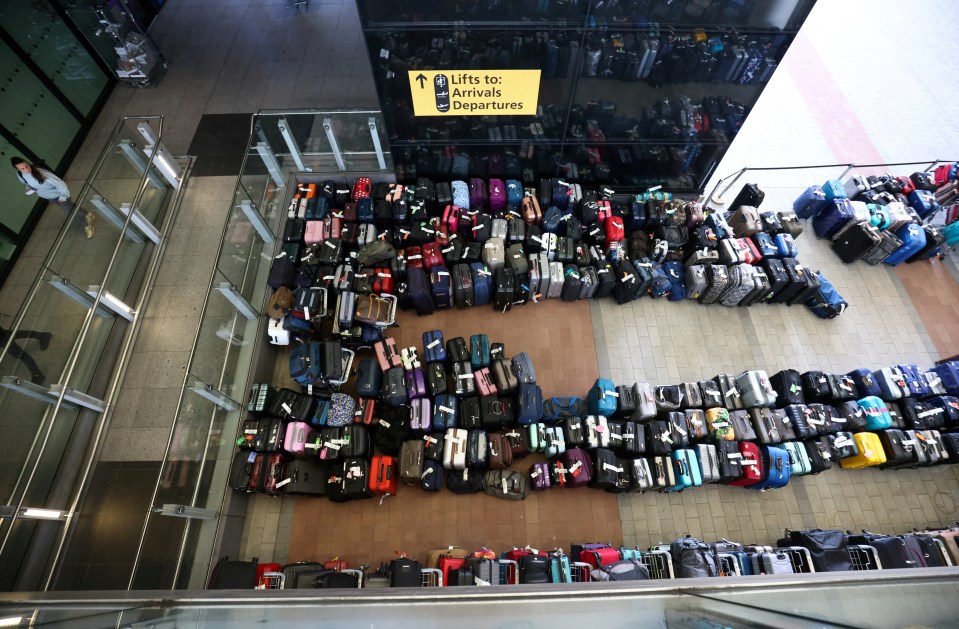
x: 421, y: 417
x: 497, y: 197
x: 580, y: 466
x: 479, y: 199
x: 809, y: 202
x: 832, y: 218
x: 540, y: 475
x: 415, y: 384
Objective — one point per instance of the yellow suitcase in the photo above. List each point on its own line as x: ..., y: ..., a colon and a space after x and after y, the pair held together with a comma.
x: 870, y: 452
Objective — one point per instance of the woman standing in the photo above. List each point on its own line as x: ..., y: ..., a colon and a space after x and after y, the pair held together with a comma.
x: 48, y: 186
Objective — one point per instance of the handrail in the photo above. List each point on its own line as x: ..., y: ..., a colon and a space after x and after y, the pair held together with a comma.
x: 930, y: 164
x: 74, y: 353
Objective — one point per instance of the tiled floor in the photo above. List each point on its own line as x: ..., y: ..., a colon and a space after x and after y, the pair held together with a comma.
x: 830, y: 102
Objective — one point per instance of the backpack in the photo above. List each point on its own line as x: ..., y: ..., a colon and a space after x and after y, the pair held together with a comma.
x: 693, y: 558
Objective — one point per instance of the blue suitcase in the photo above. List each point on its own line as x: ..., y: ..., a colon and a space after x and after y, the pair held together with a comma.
x: 434, y: 348
x: 949, y: 374
x: 560, y: 194
x: 369, y: 378
x: 419, y: 291
x: 810, y: 202
x: 766, y: 245
x: 364, y: 210
x: 306, y: 363
x: 786, y: 246
x: 877, y: 413
x: 918, y: 387
x: 913, y: 239
x: 482, y: 284
x: 529, y: 404
x: 514, y: 194
x: 479, y: 351
x: 601, y: 398
x: 686, y: 467
x: 832, y: 218
x: 552, y: 219
x: 676, y: 273
x: 833, y: 189
x: 923, y: 202
x: 776, y: 468
x: 522, y: 366
x: 825, y: 301
x: 432, y: 476
x: 444, y: 412
x: 865, y: 384
x: 441, y: 287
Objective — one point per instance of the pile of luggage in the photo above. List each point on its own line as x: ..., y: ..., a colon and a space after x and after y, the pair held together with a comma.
x: 885, y: 219
x: 463, y: 415
x: 807, y: 551
x: 436, y: 246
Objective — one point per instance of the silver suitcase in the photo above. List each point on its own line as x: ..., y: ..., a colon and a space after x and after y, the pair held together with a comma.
x: 494, y: 254
x: 754, y: 389
x: 708, y: 462
x: 534, y: 278
x: 645, y: 402
x: 695, y: 281
x: 555, y: 280
x: 776, y: 563
x: 543, y: 275
x: 550, y: 242
x: 499, y: 229
x: 642, y: 476
x: 589, y: 280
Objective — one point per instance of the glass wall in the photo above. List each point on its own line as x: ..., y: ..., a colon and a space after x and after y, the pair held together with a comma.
x: 78, y: 319
x: 51, y: 89
x: 633, y: 94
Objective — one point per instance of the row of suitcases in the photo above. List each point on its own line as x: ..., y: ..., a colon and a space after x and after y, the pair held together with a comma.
x: 798, y: 552
x: 880, y: 219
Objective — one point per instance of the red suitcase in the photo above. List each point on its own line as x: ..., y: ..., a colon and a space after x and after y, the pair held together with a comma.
x: 336, y: 564
x: 448, y: 565
x: 451, y: 218
x: 383, y: 281
x: 600, y: 556
x: 431, y: 255
x: 365, y: 410
x: 752, y: 464
x: 263, y: 568
x: 414, y: 257
x: 362, y: 188
x: 384, y: 475
x: 615, y: 232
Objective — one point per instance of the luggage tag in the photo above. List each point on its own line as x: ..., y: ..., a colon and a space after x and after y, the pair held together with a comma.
x: 575, y: 468
x: 285, y: 481
x: 426, y: 473
x: 612, y: 468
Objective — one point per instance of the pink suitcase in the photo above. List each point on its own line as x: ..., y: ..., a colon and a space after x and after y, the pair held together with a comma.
x: 451, y: 218
x: 484, y: 382
x: 314, y: 232
x: 297, y: 436
x: 388, y: 354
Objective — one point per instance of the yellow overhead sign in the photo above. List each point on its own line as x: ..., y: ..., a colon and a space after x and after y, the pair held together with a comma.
x: 474, y: 92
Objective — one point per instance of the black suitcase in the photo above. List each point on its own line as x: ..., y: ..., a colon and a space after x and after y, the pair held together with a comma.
x: 788, y: 386
x: 815, y: 386
x: 658, y: 436
x: 356, y: 478
x: 464, y: 385
x: 855, y: 241
x: 898, y: 448
x: 240, y: 470
x: 776, y: 274
x: 889, y: 243
x: 505, y: 289
x: 605, y: 469
x: 627, y: 284
x: 496, y: 412
x: 294, y: 230
x: 233, y: 575
x: 796, y: 281
x: 307, y: 478
x: 405, y: 573
x: 749, y: 195
x: 534, y: 569
x: 820, y: 459
x: 470, y: 416
x: 730, y: 460
x: 606, y: 280
x: 435, y: 379
x: 462, y: 286
x: 571, y: 283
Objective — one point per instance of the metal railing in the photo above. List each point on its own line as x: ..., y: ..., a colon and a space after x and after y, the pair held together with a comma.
x: 110, y: 278
x: 285, y: 148
x: 716, y: 196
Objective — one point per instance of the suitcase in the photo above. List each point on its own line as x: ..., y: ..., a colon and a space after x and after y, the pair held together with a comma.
x: 696, y: 424
x: 470, y: 415
x: 663, y: 472
x: 913, y: 239
x: 729, y: 461
x: 750, y: 194
x: 855, y: 241
x: 642, y: 477
x: 454, y: 449
x: 888, y: 244
x: 522, y: 366
x: 754, y: 389
x: 433, y: 346
x: 776, y: 469
x: 579, y: 467
x: 799, y: 463
x: 645, y: 402
x: 871, y: 452
x: 810, y: 202
x: 891, y: 383
x: 751, y: 463
x: 687, y: 470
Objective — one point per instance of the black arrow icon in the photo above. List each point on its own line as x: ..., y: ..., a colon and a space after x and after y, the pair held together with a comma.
x: 422, y: 80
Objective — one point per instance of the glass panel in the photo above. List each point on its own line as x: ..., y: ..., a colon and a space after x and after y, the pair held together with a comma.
x: 31, y: 113
x: 388, y: 12
x: 40, y: 32
x: 241, y: 250
x: 17, y: 206
x: 226, y: 341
